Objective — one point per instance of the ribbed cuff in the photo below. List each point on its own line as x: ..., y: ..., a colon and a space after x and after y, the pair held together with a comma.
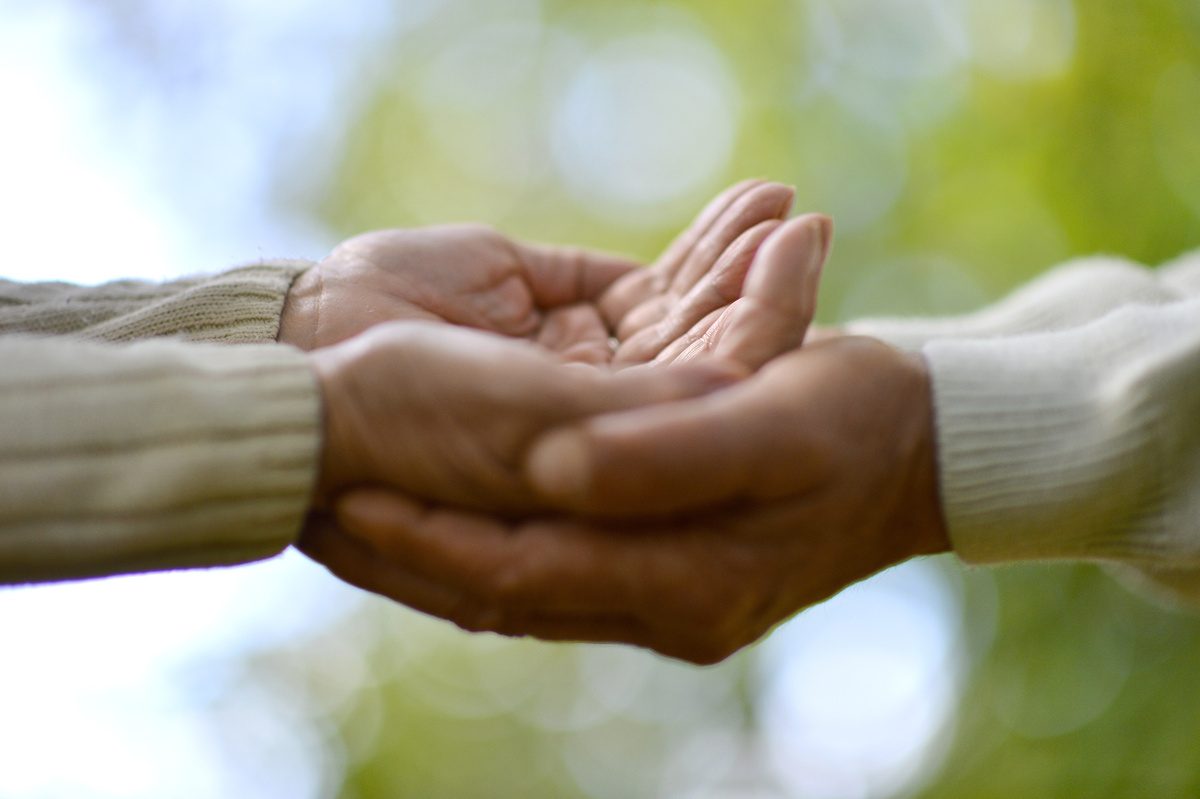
x: 1037, y: 458
x: 1076, y: 444
x: 241, y: 306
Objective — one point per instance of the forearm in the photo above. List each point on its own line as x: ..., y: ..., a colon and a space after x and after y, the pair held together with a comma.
x: 241, y: 305
x: 156, y: 455
x: 1070, y: 295
x: 1075, y: 444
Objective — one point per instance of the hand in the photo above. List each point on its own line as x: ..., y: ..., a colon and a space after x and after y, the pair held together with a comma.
x: 571, y: 301
x: 770, y: 277
x: 466, y: 275
x: 736, y: 510
x: 680, y: 306
x: 448, y: 413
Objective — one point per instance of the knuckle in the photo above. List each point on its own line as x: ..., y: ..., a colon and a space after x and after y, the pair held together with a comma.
x: 509, y: 580
x: 477, y: 229
x: 474, y: 617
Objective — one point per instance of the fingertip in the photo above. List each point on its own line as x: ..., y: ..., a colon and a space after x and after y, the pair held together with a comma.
x: 559, y: 466
x: 362, y: 510
x: 824, y: 231
x: 782, y: 196
x: 790, y: 202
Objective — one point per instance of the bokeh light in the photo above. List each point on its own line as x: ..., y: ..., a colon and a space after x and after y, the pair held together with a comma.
x: 647, y: 119
x: 858, y: 693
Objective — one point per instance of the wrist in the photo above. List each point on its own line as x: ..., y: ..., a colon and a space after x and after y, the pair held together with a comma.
x: 328, y: 364
x: 301, y: 313
x: 922, y: 519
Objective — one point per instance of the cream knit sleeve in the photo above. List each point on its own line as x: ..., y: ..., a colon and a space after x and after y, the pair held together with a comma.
x: 154, y: 455
x: 1076, y: 444
x: 1069, y: 295
x: 1068, y: 420
x: 238, y: 306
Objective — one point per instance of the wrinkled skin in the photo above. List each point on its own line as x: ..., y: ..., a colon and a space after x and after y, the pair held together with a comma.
x: 711, y: 520
x: 571, y: 301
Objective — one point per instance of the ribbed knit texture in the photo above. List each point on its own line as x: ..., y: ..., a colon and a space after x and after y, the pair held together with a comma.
x: 239, y: 306
x: 1065, y: 297
x: 158, y: 454
x: 1068, y: 419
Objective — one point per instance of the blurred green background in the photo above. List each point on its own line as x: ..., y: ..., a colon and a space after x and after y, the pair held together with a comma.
x: 963, y: 146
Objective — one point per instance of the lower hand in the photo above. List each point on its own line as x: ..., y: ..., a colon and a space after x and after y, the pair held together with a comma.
x: 730, y: 513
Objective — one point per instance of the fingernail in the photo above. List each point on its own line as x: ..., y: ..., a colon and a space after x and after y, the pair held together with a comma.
x: 824, y: 233
x: 558, y: 465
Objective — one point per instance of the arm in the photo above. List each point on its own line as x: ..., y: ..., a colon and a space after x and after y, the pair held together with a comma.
x: 1076, y: 444
x: 239, y: 306
x: 154, y: 455
x: 1072, y: 294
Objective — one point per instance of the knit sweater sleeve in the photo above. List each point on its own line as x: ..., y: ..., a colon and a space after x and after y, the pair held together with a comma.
x: 1068, y: 420
x: 238, y: 306
x: 1065, y: 297
x: 154, y: 455
x: 123, y: 457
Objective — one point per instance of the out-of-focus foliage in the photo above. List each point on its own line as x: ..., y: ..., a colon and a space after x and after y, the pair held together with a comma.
x: 963, y: 146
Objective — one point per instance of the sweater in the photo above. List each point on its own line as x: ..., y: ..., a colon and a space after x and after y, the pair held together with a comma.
x: 1067, y: 420
x: 175, y: 451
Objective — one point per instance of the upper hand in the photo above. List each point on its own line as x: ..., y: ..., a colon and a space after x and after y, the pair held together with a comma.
x: 740, y: 283
x: 466, y: 275
x: 571, y: 301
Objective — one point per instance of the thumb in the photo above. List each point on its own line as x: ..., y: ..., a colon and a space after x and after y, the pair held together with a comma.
x: 655, y: 459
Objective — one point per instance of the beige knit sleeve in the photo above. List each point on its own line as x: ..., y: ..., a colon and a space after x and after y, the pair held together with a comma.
x: 241, y: 305
x: 1076, y: 444
x: 1070, y: 295
x: 153, y: 455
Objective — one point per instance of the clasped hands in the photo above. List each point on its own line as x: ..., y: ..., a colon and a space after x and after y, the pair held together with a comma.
x: 552, y: 442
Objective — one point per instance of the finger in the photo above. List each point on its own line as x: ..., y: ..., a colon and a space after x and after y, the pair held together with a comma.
x: 694, y: 342
x: 720, y: 287
x: 762, y: 203
x: 564, y: 580
x: 358, y: 564
x: 638, y: 288
x: 547, y: 567
x: 759, y: 204
x: 780, y: 295
x: 685, y: 455
x: 566, y: 275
